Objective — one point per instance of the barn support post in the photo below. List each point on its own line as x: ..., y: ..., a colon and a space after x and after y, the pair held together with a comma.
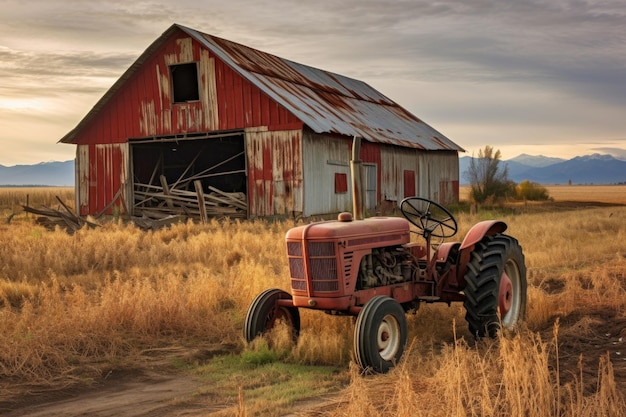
x: 204, y: 218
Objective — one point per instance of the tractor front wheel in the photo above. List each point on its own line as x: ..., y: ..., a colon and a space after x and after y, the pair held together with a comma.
x: 380, y: 334
x: 265, y: 312
x: 495, y: 292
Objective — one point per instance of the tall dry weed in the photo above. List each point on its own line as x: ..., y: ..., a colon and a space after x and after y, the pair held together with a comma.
x: 509, y: 377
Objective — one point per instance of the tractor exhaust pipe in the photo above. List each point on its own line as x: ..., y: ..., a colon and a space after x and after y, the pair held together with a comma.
x: 357, y: 183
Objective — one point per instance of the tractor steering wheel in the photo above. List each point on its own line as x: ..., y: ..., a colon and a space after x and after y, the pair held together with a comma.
x: 426, y: 215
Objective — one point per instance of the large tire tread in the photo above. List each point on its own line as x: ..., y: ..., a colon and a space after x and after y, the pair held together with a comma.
x: 484, y: 270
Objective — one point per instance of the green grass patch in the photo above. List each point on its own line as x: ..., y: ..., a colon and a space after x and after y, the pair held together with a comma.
x: 266, y: 385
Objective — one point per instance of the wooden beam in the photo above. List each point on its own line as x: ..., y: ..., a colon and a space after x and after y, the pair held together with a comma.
x: 203, y: 216
x: 193, y: 161
x: 166, y: 191
x: 115, y: 197
x: 231, y: 199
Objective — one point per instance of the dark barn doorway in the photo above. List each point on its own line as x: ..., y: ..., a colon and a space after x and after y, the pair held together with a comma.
x: 201, y: 177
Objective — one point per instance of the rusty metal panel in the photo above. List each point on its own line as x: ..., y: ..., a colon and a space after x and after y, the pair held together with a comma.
x: 371, y: 157
x: 287, y: 172
x: 394, y: 161
x: 437, y: 170
x: 274, y: 172
x: 322, y: 157
x: 434, y: 172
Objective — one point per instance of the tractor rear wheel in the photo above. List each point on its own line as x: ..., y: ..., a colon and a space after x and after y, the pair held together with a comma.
x: 265, y: 312
x: 380, y: 334
x: 495, y: 291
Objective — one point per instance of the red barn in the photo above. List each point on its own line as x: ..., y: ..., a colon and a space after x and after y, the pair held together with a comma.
x: 202, y: 125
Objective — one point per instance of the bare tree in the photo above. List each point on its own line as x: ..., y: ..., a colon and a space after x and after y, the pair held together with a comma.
x: 486, y: 177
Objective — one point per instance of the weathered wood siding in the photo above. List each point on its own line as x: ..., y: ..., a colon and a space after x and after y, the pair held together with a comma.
x: 274, y: 160
x: 102, y: 172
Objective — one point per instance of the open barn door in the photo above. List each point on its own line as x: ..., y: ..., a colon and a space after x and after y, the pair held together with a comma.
x: 199, y: 177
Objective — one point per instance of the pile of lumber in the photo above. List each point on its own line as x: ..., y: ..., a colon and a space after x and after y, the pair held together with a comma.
x: 159, y: 202
x: 65, y: 219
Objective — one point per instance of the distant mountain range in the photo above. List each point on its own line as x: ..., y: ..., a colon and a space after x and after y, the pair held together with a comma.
x: 588, y: 169
x: 56, y: 174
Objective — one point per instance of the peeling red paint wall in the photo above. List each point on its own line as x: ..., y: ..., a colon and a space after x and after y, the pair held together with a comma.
x: 102, y: 174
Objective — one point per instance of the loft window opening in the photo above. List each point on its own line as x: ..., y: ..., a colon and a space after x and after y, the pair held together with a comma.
x: 185, y: 82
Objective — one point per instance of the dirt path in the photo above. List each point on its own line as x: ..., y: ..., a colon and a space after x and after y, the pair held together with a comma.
x: 148, y: 395
x: 131, y: 395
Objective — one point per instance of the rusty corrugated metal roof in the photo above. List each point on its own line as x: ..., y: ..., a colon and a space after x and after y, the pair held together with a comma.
x: 327, y: 102
x: 324, y: 101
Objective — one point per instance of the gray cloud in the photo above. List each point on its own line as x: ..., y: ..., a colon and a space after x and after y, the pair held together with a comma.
x: 50, y: 74
x: 503, y: 67
x: 615, y: 152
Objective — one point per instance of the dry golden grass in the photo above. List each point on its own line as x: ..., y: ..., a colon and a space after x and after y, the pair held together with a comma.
x: 73, y: 306
x: 589, y: 193
x: 510, y: 378
x: 615, y: 194
x: 13, y: 198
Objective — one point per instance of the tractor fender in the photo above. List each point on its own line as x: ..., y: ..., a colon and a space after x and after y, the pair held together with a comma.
x: 475, y: 235
x: 482, y: 229
x: 443, y: 252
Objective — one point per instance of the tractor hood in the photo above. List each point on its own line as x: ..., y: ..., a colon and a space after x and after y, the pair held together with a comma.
x: 377, y: 231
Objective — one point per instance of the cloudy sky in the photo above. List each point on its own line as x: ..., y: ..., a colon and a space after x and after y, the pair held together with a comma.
x: 544, y: 77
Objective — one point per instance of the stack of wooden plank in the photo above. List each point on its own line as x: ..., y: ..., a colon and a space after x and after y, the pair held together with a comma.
x: 157, y: 202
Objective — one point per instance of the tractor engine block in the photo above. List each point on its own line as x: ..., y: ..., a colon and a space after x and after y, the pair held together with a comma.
x: 385, y: 266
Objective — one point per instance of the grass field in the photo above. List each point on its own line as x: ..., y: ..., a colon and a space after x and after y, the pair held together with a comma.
x: 613, y: 194
x: 589, y: 193
x: 73, y: 308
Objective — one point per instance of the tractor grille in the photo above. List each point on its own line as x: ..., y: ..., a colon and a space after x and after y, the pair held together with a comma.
x: 294, y: 248
x: 348, y: 258
x: 323, y: 265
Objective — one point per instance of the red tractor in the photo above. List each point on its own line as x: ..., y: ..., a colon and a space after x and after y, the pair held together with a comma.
x: 370, y: 269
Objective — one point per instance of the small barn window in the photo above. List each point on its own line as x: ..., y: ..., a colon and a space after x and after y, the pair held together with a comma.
x: 341, y: 183
x: 185, y: 82
x: 409, y: 183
